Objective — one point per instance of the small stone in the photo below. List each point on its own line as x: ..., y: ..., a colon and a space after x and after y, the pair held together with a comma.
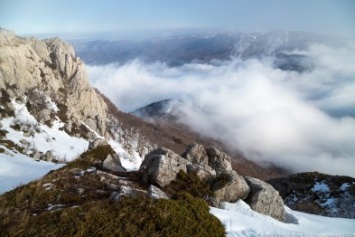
x: 112, y: 186
x: 36, y: 155
x: 48, y: 156
x: 80, y: 191
x: 27, y: 134
x: 156, y: 193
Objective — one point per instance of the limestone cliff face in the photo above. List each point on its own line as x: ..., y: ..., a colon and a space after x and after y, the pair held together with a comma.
x: 48, y: 70
x: 50, y: 67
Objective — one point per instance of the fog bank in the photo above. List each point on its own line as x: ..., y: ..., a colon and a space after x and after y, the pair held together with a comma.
x: 301, y: 120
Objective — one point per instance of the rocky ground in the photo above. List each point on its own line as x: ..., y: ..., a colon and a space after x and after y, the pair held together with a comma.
x: 96, y: 179
x: 318, y: 193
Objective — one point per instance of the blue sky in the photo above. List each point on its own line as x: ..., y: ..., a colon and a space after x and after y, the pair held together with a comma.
x: 95, y: 17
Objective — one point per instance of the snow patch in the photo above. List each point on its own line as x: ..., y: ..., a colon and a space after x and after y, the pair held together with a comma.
x: 129, y: 162
x: 43, y: 138
x: 240, y: 220
x: 320, y: 187
x: 17, y: 169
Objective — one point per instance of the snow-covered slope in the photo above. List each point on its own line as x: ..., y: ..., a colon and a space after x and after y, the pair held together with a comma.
x: 40, y: 137
x: 18, y: 146
x: 17, y: 169
x: 240, y: 220
x: 28, y: 141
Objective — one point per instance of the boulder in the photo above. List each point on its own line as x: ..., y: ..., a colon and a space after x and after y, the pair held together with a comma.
x: 229, y: 187
x: 196, y: 154
x: 113, y: 163
x: 96, y: 143
x: 156, y: 193
x: 206, y: 172
x: 218, y: 160
x: 263, y: 198
x: 161, y: 166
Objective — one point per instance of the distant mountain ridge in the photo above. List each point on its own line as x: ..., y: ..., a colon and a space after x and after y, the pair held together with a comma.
x: 204, y: 48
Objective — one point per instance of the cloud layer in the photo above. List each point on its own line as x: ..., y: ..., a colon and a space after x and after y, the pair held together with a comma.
x: 303, y: 121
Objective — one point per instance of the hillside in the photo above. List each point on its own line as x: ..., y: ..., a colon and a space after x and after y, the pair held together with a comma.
x: 85, y: 168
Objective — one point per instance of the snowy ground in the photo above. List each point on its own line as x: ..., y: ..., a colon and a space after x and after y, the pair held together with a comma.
x: 44, y: 138
x: 240, y: 220
x: 17, y: 169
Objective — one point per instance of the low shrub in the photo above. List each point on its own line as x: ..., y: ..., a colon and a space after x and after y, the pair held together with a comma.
x: 128, y: 217
x: 91, y: 157
x: 189, y: 183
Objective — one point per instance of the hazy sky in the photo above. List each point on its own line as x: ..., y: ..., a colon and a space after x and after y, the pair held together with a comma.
x: 125, y: 16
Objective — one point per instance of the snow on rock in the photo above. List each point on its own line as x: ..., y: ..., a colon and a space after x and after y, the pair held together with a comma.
x: 17, y: 168
x: 240, y: 220
x: 129, y: 162
x: 43, y: 138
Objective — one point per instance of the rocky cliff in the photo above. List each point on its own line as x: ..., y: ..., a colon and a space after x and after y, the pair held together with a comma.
x: 43, y: 72
x: 50, y: 68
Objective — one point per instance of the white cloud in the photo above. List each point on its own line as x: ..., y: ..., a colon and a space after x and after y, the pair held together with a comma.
x: 269, y: 114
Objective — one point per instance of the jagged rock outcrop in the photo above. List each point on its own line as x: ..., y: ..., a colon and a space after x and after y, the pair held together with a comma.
x: 50, y: 69
x: 161, y: 166
x: 318, y: 193
x: 51, y: 81
x: 263, y: 198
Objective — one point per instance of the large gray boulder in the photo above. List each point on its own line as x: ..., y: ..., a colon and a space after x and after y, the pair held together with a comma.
x: 196, y: 154
x: 218, y: 160
x: 113, y: 163
x: 263, y: 198
x: 161, y: 166
x: 229, y: 187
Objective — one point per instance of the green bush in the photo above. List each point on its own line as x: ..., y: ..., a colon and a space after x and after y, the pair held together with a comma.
x: 190, y: 183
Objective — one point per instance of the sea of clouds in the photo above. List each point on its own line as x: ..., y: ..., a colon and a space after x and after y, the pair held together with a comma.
x: 301, y: 120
